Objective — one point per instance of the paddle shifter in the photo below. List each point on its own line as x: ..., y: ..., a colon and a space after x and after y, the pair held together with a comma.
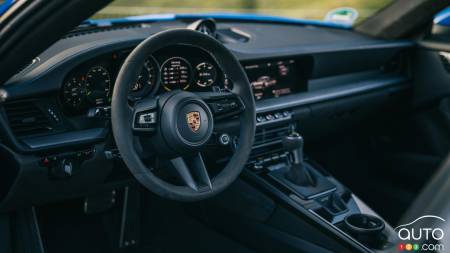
x: 298, y: 173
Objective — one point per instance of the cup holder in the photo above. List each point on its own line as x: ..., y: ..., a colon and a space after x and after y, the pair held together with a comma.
x: 364, y: 224
x: 365, y: 228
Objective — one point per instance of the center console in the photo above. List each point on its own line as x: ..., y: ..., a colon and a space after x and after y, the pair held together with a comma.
x: 297, y: 97
x: 282, y: 167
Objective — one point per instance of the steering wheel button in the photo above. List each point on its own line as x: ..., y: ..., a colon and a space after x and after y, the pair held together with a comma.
x: 219, y: 107
x: 224, y: 139
x: 147, y: 118
x: 216, y: 107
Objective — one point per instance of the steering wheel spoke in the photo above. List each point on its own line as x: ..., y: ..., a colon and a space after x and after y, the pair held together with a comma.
x: 145, y: 115
x: 200, y: 170
x: 194, y: 176
x: 184, y: 172
x: 223, y: 104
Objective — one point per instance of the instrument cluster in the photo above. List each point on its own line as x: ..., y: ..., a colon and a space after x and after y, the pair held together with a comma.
x: 175, y: 67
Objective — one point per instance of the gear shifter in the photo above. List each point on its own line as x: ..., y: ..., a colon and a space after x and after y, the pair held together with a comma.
x: 299, y: 176
x: 297, y: 173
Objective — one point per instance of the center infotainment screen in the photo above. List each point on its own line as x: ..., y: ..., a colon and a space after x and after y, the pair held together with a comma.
x: 274, y: 78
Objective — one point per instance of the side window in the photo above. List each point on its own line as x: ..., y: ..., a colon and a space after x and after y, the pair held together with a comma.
x: 442, y: 18
x: 440, y: 29
x: 4, y: 5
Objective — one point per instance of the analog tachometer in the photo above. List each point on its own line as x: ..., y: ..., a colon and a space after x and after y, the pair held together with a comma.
x: 147, y: 80
x: 74, y: 92
x: 98, y: 85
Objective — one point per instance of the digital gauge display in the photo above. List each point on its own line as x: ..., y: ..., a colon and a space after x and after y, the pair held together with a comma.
x: 176, y: 74
x: 206, y: 74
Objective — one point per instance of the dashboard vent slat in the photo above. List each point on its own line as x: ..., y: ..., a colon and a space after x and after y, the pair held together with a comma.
x: 25, y: 119
x: 271, y: 135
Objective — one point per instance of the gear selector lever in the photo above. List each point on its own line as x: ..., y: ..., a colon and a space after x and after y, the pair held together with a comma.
x: 298, y: 173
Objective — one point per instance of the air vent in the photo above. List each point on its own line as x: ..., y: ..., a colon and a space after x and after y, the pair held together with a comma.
x: 25, y: 119
x: 270, y: 136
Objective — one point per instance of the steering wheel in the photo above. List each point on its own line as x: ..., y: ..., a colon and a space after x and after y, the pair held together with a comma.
x: 178, y: 124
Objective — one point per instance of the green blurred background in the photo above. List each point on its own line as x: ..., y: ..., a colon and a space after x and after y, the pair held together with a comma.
x: 306, y: 9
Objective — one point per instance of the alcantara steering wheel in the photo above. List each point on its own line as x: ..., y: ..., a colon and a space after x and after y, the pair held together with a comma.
x: 180, y: 123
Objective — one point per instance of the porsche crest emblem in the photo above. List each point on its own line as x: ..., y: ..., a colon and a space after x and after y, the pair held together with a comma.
x: 194, y: 121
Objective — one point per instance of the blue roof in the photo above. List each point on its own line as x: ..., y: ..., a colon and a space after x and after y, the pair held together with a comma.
x: 219, y: 16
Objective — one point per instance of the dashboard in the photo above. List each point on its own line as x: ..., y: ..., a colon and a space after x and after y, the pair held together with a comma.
x: 180, y: 67
x: 319, y: 79
x: 287, y: 66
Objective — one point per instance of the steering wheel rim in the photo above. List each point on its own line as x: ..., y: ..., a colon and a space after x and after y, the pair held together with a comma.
x: 123, y: 117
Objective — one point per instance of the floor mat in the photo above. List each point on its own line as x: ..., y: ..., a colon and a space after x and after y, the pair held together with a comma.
x: 165, y: 228
x: 170, y: 229
x: 64, y: 228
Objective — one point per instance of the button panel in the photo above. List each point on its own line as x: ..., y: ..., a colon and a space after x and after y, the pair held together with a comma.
x: 272, y: 117
x: 266, y: 161
x: 145, y: 120
x: 65, y: 165
x: 226, y: 107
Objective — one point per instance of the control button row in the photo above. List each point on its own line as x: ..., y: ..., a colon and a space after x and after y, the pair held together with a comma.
x: 269, y: 117
x: 65, y: 165
x: 261, y: 162
x: 226, y: 107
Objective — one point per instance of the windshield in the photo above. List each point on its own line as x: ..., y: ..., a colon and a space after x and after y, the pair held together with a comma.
x: 5, y: 5
x: 328, y: 10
